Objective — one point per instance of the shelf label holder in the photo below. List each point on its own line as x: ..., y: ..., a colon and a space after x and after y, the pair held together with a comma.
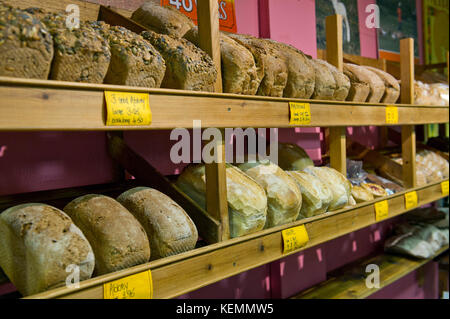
x: 299, y: 113
x: 391, y: 115
x: 444, y: 188
x: 127, y: 109
x: 294, y: 238
x: 381, y: 210
x: 411, y: 200
x: 138, y: 286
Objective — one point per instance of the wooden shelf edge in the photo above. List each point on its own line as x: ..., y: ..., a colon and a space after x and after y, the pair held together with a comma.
x: 180, y: 274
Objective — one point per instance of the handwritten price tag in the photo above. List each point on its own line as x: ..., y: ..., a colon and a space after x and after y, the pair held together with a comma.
x: 294, y: 238
x: 300, y: 113
x: 411, y: 200
x: 391, y: 115
x: 127, y: 109
x: 139, y: 286
x: 381, y: 210
x: 444, y: 187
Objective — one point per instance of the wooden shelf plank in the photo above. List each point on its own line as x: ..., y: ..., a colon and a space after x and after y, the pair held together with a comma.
x: 30, y: 105
x: 176, y: 275
x: 349, y: 282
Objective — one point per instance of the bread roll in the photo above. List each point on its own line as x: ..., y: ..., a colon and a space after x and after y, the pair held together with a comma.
x: 117, y: 238
x: 316, y: 195
x: 342, y: 81
x: 361, y: 195
x: 247, y: 200
x: 366, y: 85
x: 284, y: 198
x: 392, y: 92
x: 292, y: 157
x: 26, y: 46
x: 169, y: 229
x: 37, y: 244
x: 339, y: 185
x: 164, y: 20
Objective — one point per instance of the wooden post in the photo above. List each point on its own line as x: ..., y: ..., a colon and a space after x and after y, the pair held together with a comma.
x: 407, y: 97
x: 335, y: 56
x: 216, y: 183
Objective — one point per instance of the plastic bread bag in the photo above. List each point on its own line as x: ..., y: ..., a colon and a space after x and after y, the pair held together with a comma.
x: 440, y: 90
x: 433, y: 236
x: 410, y: 245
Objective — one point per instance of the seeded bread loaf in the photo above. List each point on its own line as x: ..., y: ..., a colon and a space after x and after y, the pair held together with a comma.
x: 134, y: 61
x: 117, y: 238
x: 37, y: 244
x: 239, y: 73
x: 392, y: 92
x: 325, y: 84
x: 247, y: 200
x: 292, y: 157
x: 169, y: 229
x: 272, y: 69
x: 164, y: 20
x: 26, y: 46
x: 342, y: 81
x: 284, y: 198
x: 366, y: 85
x: 187, y: 67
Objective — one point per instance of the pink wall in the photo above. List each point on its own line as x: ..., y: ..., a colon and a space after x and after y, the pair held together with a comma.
x: 247, y: 17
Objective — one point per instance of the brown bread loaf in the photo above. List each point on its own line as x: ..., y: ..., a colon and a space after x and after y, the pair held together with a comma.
x: 292, y: 157
x: 366, y: 85
x: 325, y: 84
x: 392, y: 92
x: 342, y: 81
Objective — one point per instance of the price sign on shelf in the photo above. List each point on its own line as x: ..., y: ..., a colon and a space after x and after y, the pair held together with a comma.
x: 381, y: 210
x: 411, y: 200
x: 139, y: 286
x: 299, y: 113
x: 127, y: 109
x: 294, y: 238
x: 444, y: 188
x: 391, y: 115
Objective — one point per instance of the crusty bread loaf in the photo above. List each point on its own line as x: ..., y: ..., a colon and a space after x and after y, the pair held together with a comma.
x: 117, y: 238
x: 316, y: 195
x: 134, y: 61
x: 342, y: 81
x: 26, y: 46
x: 301, y: 74
x: 187, y: 67
x: 284, y: 198
x: 325, y: 84
x: 37, y: 244
x: 239, y: 74
x: 364, y: 81
x: 292, y: 157
x: 392, y: 92
x: 338, y: 184
x: 247, y: 200
x: 361, y: 195
x: 273, y: 70
x: 164, y: 20
x: 169, y: 229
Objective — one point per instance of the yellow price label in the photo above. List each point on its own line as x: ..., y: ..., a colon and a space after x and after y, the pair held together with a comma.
x: 127, y: 109
x: 139, y: 286
x: 391, y: 115
x: 411, y: 200
x: 294, y: 238
x: 299, y: 113
x: 381, y: 210
x: 444, y: 187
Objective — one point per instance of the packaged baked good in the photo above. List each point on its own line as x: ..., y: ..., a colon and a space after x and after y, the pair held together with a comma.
x: 247, y: 200
x: 284, y: 198
x: 292, y: 157
x: 40, y: 247
x: 117, y: 238
x: 169, y: 228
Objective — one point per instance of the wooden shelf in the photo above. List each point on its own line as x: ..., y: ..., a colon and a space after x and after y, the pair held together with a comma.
x: 349, y: 282
x: 30, y: 105
x: 176, y: 275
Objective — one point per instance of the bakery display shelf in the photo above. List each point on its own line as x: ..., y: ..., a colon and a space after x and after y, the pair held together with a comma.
x: 349, y: 282
x: 179, y: 274
x: 30, y: 105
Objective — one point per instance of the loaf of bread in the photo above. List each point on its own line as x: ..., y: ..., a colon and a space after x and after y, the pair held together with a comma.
x: 164, y: 20
x: 366, y: 85
x: 26, y: 46
x: 325, y: 84
x: 247, y: 200
x: 316, y: 195
x: 37, y: 244
x: 134, y: 61
x: 301, y: 74
x: 338, y: 184
x: 187, y: 67
x: 292, y: 157
x: 272, y: 69
x: 117, y: 238
x: 361, y: 195
x: 342, y: 81
x: 392, y: 92
x: 169, y: 229
x: 239, y: 73
x: 284, y: 198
